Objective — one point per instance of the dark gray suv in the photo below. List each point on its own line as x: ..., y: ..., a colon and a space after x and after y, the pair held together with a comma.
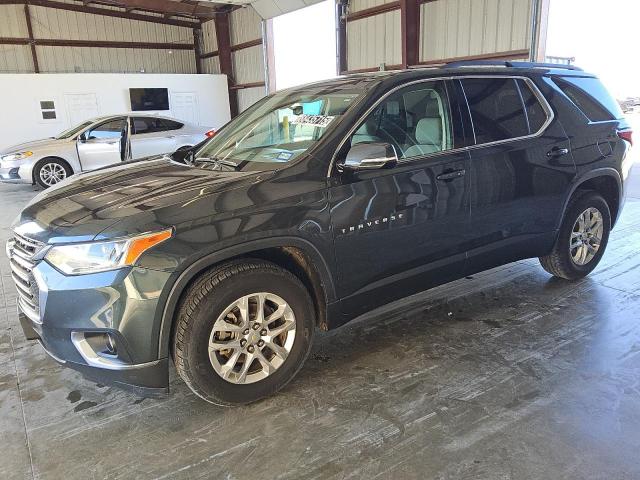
x: 316, y: 205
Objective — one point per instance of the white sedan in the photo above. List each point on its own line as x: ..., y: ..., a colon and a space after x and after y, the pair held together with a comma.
x: 97, y: 143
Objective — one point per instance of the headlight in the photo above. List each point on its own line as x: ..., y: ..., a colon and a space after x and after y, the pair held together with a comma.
x: 17, y: 156
x: 79, y: 258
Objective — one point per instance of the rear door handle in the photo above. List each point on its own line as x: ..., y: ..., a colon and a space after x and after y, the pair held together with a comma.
x: 444, y: 177
x: 557, y: 152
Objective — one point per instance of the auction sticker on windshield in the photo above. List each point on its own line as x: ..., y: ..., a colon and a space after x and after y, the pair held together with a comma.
x: 313, y: 120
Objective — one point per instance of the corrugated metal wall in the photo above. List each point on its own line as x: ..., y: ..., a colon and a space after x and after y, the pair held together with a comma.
x: 459, y: 28
x: 248, y: 63
x: 56, y: 24
x: 14, y: 58
x: 373, y: 40
x: 448, y: 29
x: 210, y: 44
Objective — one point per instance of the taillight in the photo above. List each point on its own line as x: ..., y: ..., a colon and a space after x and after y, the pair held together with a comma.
x: 210, y: 133
x: 626, y: 135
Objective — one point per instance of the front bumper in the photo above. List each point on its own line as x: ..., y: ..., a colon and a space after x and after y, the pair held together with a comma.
x: 72, y: 311
x: 16, y: 171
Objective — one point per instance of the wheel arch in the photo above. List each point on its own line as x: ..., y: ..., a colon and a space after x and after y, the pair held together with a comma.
x: 298, y: 256
x: 605, y: 181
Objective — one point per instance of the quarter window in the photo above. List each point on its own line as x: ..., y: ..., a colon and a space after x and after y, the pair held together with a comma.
x: 590, y: 96
x: 496, y: 109
x: 416, y: 120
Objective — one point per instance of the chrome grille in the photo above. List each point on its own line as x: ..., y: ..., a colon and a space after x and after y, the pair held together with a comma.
x: 21, y: 251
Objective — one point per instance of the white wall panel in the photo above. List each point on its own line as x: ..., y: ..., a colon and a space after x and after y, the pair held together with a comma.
x: 111, y: 92
x: 12, y: 21
x: 211, y: 65
x: 209, y: 39
x: 459, y: 28
x: 48, y: 23
x: 249, y: 96
x: 248, y: 65
x: 105, y: 60
x: 246, y: 25
x: 374, y: 40
x: 15, y: 59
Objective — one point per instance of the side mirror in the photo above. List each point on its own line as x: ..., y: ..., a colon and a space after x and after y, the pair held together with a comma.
x: 82, y: 137
x: 370, y: 156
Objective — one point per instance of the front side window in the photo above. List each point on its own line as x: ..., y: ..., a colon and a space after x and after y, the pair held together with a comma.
x: 496, y: 109
x: 73, y: 130
x: 280, y: 127
x: 109, y: 130
x: 416, y: 120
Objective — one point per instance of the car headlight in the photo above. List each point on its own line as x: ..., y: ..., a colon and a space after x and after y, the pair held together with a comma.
x: 17, y: 156
x: 79, y: 258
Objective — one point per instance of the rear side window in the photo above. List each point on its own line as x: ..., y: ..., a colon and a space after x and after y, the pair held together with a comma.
x: 170, y: 124
x: 590, y: 96
x: 496, y: 109
x: 536, y: 113
x: 152, y: 125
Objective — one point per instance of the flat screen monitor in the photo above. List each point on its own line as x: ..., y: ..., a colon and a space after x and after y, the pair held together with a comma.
x: 145, y: 99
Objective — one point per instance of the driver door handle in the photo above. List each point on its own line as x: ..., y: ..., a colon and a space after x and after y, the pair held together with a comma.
x: 557, y: 152
x: 447, y: 176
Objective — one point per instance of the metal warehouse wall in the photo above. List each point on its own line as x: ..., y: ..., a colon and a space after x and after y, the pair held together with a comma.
x: 14, y: 58
x: 248, y: 63
x: 247, y: 76
x: 67, y: 25
x: 449, y: 29
x: 373, y: 40
x: 460, y: 28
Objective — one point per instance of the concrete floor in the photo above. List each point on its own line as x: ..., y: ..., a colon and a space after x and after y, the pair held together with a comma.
x: 507, y: 375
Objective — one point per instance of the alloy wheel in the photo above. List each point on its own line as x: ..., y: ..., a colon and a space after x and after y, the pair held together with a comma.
x: 252, y: 338
x: 52, y: 173
x: 586, y: 236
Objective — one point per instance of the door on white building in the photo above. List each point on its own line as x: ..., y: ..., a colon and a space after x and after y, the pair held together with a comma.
x: 184, y: 106
x: 81, y: 107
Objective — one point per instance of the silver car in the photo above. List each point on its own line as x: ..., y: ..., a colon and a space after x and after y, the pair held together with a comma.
x: 96, y: 143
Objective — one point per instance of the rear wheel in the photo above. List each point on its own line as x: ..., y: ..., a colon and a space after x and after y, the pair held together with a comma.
x: 50, y: 171
x: 243, y: 331
x: 582, y: 239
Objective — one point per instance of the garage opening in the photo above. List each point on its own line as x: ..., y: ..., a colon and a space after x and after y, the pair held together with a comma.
x: 305, y: 45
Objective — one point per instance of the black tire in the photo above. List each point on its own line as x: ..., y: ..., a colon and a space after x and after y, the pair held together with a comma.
x: 207, y: 298
x: 559, y: 262
x: 50, y: 163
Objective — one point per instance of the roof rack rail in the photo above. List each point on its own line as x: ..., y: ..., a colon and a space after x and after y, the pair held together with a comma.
x: 503, y: 63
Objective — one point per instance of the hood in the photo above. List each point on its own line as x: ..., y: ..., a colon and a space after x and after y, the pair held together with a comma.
x: 81, y: 207
x: 33, y: 145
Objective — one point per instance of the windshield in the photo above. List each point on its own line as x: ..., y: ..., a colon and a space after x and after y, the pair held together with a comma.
x: 74, y: 130
x: 279, y: 128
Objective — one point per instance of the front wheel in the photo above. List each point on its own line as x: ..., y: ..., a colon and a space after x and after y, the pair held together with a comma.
x: 582, y: 239
x: 50, y: 171
x: 243, y: 331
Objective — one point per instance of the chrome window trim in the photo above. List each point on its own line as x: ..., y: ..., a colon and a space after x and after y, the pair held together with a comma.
x: 534, y: 88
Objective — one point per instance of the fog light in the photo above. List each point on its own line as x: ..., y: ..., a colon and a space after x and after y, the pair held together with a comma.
x: 99, y: 349
x: 110, y: 343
